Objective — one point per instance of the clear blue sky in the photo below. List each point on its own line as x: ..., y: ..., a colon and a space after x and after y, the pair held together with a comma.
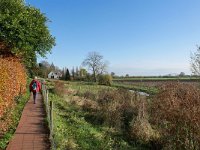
x: 137, y: 37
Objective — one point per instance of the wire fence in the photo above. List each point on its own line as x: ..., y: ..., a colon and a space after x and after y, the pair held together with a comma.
x: 49, y: 112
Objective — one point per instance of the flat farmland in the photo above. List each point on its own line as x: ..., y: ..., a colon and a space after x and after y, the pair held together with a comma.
x: 156, y: 81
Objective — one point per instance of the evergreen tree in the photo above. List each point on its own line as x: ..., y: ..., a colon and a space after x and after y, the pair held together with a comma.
x: 67, y: 75
x: 77, y: 72
x: 73, y: 73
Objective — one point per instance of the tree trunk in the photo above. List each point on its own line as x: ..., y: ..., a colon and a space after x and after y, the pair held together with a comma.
x: 94, y: 74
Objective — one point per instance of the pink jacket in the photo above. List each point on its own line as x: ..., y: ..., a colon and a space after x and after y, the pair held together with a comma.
x: 38, y: 86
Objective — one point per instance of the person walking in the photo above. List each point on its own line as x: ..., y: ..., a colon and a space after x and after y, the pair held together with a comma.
x: 35, y: 87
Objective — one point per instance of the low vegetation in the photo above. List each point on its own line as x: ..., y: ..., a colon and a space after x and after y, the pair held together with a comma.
x: 152, y: 90
x: 72, y: 131
x: 91, y: 116
x: 106, y: 111
x: 175, y: 112
x: 105, y: 80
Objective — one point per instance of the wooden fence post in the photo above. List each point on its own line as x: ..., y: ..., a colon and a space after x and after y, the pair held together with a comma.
x: 51, y: 116
x: 49, y: 111
x: 43, y: 95
x: 47, y: 101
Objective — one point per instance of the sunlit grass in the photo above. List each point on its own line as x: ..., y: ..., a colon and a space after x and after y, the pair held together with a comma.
x: 72, y: 131
x: 83, y: 87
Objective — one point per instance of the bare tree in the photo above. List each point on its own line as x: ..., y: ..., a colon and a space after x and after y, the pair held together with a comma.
x: 112, y: 74
x: 182, y: 74
x: 195, y: 62
x: 95, y: 63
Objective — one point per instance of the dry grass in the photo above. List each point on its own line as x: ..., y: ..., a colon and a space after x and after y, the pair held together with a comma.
x: 176, y: 113
x: 117, y: 107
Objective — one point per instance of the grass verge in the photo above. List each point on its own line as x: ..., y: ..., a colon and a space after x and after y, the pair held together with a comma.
x: 73, y: 132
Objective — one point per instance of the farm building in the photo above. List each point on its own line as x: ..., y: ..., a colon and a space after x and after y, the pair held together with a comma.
x: 54, y: 75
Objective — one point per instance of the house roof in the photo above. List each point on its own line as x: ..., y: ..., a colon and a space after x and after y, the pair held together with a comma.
x: 55, y: 72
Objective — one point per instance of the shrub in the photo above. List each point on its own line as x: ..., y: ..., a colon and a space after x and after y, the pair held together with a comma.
x: 59, y: 88
x: 116, y: 108
x: 141, y: 129
x: 127, y: 112
x: 175, y: 112
x: 89, y: 95
x: 105, y: 80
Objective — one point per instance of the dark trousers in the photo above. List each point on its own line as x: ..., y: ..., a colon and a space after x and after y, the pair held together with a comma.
x: 34, y: 96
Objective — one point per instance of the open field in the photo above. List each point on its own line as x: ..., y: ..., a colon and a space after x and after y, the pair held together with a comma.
x: 91, y: 116
x: 139, y: 79
x: 156, y: 81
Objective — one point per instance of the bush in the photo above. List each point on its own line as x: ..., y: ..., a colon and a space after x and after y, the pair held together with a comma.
x: 128, y: 113
x: 105, y: 80
x: 175, y: 112
x: 59, y: 88
x: 89, y: 95
x: 116, y: 108
x: 141, y: 129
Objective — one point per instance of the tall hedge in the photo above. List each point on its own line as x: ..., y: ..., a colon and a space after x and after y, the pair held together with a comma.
x: 12, y: 82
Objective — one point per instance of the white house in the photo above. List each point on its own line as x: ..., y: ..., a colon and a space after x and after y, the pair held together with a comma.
x: 54, y: 75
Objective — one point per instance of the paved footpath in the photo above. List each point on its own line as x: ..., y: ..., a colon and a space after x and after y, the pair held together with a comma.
x: 31, y: 133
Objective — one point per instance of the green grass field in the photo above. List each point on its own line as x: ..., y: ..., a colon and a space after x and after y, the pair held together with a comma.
x: 83, y: 87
